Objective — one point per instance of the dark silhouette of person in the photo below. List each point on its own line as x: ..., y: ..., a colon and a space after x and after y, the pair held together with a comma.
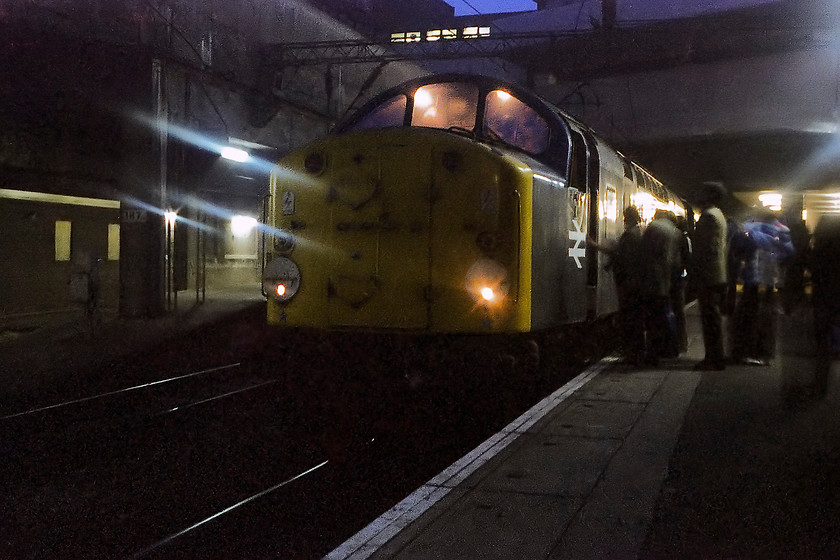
x: 733, y: 266
x: 626, y: 265
x: 711, y: 274
x: 825, y: 278
x: 793, y: 293
x: 679, y: 284
x: 742, y: 257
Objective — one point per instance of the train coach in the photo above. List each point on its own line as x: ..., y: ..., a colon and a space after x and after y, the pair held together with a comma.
x: 451, y: 204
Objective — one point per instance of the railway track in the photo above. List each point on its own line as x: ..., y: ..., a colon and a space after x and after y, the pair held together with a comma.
x: 249, y: 458
x: 125, y: 392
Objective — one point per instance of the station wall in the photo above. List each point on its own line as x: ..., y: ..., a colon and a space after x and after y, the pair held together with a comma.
x: 45, y: 240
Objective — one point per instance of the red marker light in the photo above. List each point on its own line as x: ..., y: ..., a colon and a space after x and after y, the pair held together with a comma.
x: 281, y: 290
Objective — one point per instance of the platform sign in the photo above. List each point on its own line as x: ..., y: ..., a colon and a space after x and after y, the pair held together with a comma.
x: 134, y: 216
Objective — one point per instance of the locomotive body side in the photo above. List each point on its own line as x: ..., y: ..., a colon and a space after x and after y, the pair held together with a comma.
x: 559, y: 223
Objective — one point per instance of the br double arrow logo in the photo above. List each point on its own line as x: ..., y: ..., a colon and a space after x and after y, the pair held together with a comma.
x: 577, y: 252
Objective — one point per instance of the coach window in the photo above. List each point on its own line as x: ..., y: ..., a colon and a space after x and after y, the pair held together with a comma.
x: 577, y: 163
x: 628, y: 169
x: 445, y: 105
x: 62, y: 240
x: 113, y: 242
x: 515, y: 123
x: 390, y: 114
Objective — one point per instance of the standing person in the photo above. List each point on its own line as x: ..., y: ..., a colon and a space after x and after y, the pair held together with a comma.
x: 661, y: 262
x: 825, y: 277
x: 711, y: 274
x: 678, y: 285
x: 625, y: 262
x: 773, y: 248
x: 793, y: 295
x: 743, y: 347
x: 733, y: 267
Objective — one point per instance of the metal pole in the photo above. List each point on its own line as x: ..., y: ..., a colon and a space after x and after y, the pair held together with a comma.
x: 161, y: 121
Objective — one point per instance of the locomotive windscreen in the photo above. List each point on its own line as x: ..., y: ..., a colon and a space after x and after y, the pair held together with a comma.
x: 445, y: 105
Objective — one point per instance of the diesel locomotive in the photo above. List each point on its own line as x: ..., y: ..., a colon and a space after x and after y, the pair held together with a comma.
x: 450, y: 204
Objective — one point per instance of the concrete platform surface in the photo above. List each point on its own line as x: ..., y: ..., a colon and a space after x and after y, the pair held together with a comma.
x: 653, y: 463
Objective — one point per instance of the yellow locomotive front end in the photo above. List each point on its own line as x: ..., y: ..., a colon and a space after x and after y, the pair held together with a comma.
x: 411, y: 229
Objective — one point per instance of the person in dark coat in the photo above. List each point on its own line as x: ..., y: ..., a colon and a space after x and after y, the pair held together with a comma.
x: 679, y: 284
x: 625, y: 262
x: 793, y: 294
x: 742, y: 251
x: 825, y: 278
x: 733, y: 267
x: 710, y: 272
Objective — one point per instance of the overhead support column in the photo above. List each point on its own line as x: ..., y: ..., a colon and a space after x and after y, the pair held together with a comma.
x: 608, y: 13
x: 143, y: 179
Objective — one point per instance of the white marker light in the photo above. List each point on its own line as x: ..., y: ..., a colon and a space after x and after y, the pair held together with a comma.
x: 487, y: 294
x: 235, y: 154
x: 241, y: 226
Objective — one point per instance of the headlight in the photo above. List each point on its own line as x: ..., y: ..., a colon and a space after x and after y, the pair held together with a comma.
x: 487, y: 281
x: 281, y: 279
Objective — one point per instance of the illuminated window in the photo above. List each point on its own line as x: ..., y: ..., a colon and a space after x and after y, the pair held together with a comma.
x: 398, y: 37
x: 610, y: 208
x: 475, y: 32
x: 438, y: 34
x: 242, y: 226
x: 646, y: 205
x: 62, y: 240
x: 445, y: 105
x: 113, y: 242
x: 771, y: 200
x: 515, y: 123
x: 413, y: 37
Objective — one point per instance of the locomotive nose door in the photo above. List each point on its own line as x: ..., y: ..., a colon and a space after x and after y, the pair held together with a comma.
x: 378, y: 255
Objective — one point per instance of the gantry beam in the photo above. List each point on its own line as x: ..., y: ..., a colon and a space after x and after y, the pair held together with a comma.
x: 595, y: 52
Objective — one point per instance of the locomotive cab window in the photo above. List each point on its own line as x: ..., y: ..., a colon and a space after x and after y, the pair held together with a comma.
x: 390, y: 114
x: 515, y: 123
x: 577, y: 163
x: 445, y: 105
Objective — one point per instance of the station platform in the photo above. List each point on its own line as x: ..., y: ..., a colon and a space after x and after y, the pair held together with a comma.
x: 657, y: 463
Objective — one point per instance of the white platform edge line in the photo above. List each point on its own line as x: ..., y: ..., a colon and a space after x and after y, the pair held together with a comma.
x: 419, y: 501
